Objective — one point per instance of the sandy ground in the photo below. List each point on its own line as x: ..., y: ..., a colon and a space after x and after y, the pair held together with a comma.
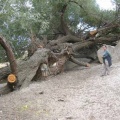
x: 74, y: 95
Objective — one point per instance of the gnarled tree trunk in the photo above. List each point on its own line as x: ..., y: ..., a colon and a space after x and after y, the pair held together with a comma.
x: 57, y: 51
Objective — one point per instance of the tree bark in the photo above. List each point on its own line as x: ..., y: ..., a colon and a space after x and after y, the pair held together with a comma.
x: 81, y: 63
x: 10, y: 55
x: 13, y: 65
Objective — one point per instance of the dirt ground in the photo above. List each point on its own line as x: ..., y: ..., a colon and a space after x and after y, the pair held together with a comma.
x: 74, y: 95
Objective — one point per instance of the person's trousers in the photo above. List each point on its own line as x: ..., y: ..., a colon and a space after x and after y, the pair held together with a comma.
x: 106, y: 68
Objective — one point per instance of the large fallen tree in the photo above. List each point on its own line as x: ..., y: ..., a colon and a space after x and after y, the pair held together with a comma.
x: 53, y: 54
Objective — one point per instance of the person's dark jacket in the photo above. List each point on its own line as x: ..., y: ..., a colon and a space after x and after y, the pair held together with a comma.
x: 107, y: 57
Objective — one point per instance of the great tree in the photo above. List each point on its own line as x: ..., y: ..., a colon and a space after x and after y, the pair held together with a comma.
x: 54, y: 31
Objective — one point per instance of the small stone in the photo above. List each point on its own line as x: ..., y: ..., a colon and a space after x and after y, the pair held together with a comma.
x: 41, y: 92
x: 61, y: 100
x: 69, y: 118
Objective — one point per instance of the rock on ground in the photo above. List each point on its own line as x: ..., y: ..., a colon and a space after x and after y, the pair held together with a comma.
x: 114, y: 51
x: 75, y: 95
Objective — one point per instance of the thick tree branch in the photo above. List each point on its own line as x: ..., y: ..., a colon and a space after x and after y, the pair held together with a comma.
x: 10, y: 55
x: 4, y: 72
x: 91, y: 41
x: 13, y: 65
x: 108, y: 27
x: 67, y: 38
x: 5, y: 90
x: 81, y: 63
x: 63, y: 24
x: 81, y: 45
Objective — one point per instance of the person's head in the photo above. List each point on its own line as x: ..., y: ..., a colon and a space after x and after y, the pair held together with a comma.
x: 104, y: 47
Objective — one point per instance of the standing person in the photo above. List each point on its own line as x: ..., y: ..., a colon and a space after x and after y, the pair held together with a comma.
x: 107, y: 61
